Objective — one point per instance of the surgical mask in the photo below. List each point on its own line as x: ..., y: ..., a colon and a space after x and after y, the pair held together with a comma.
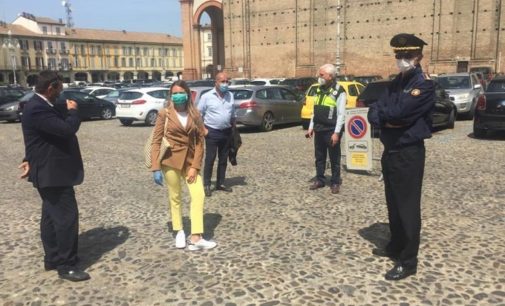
x: 179, y: 98
x: 404, y: 65
x: 223, y: 88
x: 321, y: 81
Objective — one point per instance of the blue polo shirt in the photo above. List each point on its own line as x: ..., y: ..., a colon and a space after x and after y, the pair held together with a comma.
x: 217, y: 112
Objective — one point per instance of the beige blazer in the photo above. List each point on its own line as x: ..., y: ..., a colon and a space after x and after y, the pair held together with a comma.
x: 186, y: 148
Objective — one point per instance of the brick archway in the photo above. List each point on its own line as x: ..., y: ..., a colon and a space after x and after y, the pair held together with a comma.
x: 191, y: 12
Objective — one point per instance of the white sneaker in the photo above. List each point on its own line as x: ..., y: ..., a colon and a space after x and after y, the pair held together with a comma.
x: 180, y: 240
x: 201, y: 244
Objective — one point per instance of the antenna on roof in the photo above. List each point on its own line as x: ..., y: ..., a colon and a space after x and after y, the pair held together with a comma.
x: 68, y: 10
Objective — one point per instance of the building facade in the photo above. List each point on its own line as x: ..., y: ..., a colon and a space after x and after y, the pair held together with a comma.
x: 294, y: 37
x: 85, y: 54
x: 207, y: 52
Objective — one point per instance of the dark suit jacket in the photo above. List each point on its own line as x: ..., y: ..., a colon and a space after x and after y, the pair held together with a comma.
x: 51, y: 145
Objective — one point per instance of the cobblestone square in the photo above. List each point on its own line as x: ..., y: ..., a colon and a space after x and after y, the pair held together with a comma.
x: 278, y: 242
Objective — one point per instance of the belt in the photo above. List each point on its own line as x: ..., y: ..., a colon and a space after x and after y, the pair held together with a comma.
x: 219, y: 130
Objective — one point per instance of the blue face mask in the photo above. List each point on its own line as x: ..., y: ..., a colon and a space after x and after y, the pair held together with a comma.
x: 179, y: 98
x: 223, y: 88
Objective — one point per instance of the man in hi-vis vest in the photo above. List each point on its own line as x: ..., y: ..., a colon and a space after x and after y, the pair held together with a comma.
x: 326, y: 126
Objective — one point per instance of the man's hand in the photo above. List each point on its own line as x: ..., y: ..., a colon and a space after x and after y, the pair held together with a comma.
x: 205, y: 131
x: 191, y: 177
x: 25, y: 166
x: 309, y: 133
x: 71, y: 104
x: 334, y: 139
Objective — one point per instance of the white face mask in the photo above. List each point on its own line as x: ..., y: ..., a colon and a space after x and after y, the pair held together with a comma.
x: 405, y: 65
x: 321, y: 81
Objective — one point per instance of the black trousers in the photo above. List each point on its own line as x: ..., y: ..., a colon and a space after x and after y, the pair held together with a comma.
x: 403, y: 172
x: 322, y: 147
x: 217, y: 142
x: 59, y: 226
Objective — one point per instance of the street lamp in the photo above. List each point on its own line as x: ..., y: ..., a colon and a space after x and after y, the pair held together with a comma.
x: 11, y: 45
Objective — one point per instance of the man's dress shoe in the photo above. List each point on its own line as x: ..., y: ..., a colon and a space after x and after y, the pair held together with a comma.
x: 74, y: 275
x: 335, y: 188
x: 207, y: 191
x: 223, y: 188
x: 316, y: 185
x: 400, y: 271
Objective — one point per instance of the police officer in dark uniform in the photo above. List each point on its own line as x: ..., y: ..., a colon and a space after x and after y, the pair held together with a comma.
x: 403, y: 113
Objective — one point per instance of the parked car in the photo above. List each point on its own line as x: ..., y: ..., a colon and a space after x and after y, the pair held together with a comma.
x: 141, y: 104
x: 265, y: 82
x: 99, y: 92
x: 266, y: 106
x: 89, y: 106
x: 365, y: 79
x: 464, y: 89
x: 197, y: 92
x: 352, y: 90
x: 201, y: 83
x: 299, y: 85
x: 112, y: 96
x: 239, y: 82
x: 12, y: 111
x: 486, y: 71
x: 490, y: 110
x: 9, y: 105
x: 444, y: 114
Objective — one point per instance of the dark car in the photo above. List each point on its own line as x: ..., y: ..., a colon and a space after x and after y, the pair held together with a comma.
x: 9, y: 105
x: 89, y: 106
x: 299, y: 85
x: 445, y: 110
x: 365, y: 79
x: 490, y: 110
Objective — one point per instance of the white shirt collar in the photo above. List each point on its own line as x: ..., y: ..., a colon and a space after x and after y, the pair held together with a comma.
x: 45, y: 99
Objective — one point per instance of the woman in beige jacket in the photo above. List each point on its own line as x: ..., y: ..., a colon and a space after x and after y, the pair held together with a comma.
x: 182, y: 161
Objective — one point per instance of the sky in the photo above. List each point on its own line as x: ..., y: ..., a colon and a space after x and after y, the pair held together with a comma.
x: 159, y: 16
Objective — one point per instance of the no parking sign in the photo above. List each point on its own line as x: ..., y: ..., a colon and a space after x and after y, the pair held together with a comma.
x: 358, y: 142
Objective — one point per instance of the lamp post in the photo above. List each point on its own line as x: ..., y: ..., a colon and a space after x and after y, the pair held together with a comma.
x: 11, y: 45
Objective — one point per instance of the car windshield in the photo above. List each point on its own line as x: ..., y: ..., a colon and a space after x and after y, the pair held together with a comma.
x: 454, y: 82
x: 87, y: 90
x: 288, y: 82
x: 242, y: 94
x: 496, y: 86
x: 258, y: 82
x: 130, y: 95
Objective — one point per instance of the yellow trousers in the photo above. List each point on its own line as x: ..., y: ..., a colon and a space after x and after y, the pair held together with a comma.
x: 173, y: 180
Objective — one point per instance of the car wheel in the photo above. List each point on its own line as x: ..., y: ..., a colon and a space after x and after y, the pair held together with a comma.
x: 126, y: 122
x: 267, y: 123
x: 106, y: 113
x: 151, y: 118
x: 452, y: 119
x: 479, y: 133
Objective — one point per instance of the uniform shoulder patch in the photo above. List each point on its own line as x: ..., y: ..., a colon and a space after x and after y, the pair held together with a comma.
x: 335, y: 93
x: 415, y: 92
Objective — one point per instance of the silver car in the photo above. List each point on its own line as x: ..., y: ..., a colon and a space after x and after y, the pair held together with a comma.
x: 464, y: 90
x: 266, y: 106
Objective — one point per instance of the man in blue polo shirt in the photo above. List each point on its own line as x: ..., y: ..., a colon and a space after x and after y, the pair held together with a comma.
x: 218, y: 113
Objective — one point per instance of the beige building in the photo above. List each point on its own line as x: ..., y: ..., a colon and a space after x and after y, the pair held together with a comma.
x: 207, y: 66
x: 90, y: 55
x: 294, y: 37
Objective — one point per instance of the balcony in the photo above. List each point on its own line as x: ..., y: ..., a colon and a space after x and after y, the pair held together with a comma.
x: 51, y: 51
x: 65, y: 51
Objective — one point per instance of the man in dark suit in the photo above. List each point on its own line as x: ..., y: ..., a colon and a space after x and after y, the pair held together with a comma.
x: 53, y: 164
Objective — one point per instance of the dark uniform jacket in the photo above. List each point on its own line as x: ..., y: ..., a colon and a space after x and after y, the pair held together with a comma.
x: 408, y: 102
x: 51, y: 146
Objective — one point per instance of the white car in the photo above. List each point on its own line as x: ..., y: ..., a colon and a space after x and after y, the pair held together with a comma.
x: 267, y: 82
x: 142, y: 104
x: 99, y: 92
